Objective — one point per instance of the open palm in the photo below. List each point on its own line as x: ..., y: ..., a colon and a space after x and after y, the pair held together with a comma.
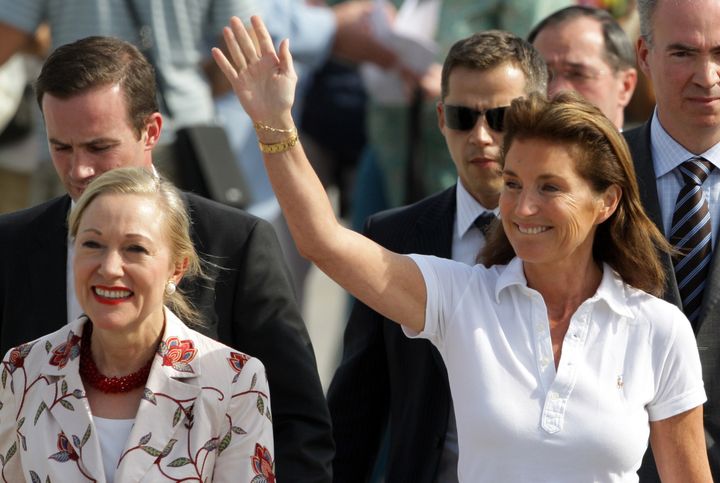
x: 263, y: 81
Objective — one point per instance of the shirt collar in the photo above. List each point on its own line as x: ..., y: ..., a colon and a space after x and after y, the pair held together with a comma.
x: 612, y: 289
x: 467, y: 209
x: 668, y: 154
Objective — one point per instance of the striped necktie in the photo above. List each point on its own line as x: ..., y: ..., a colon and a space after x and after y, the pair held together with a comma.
x: 483, y: 221
x: 691, y: 235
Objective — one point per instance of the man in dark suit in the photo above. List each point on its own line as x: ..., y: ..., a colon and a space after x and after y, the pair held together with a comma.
x: 678, y: 51
x: 98, y: 100
x: 386, y: 379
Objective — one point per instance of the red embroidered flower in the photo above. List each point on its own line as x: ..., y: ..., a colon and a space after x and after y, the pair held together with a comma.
x: 178, y: 353
x: 237, y: 361
x: 68, y: 350
x: 263, y: 465
x: 67, y: 452
x: 17, y: 357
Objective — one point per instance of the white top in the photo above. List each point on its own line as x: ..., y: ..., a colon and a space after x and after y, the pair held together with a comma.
x: 627, y: 358
x: 467, y: 241
x: 113, y: 435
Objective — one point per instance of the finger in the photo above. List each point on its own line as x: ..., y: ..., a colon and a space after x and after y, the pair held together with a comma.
x: 243, y: 39
x: 263, y: 37
x: 286, y: 63
x: 224, y: 64
x: 253, y: 37
x: 234, y: 49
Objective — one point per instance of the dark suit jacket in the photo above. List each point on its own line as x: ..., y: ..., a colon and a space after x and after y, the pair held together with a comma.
x: 247, y: 303
x: 708, y: 331
x: 386, y: 376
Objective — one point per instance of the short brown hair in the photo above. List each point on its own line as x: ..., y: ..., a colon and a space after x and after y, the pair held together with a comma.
x: 492, y: 48
x: 140, y: 182
x: 93, y: 62
x: 628, y: 240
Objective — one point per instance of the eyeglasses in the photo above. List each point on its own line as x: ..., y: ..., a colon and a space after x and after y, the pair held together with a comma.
x: 463, y: 118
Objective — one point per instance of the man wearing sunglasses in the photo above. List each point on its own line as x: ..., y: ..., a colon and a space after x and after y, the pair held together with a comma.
x: 588, y: 52
x: 386, y: 380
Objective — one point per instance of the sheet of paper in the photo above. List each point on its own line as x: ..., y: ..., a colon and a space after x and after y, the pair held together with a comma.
x: 411, y: 38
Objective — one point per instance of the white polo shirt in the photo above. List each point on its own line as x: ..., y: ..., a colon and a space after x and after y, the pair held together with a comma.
x: 627, y: 358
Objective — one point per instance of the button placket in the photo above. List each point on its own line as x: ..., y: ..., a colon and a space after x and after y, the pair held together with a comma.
x: 543, y: 344
x: 553, y: 415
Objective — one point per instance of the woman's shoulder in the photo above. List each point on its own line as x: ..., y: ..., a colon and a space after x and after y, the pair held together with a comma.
x: 662, y: 317
x: 191, y: 344
x: 56, y: 348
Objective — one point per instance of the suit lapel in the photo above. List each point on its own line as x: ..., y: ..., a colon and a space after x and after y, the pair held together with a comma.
x: 165, y: 413
x: 47, y: 273
x: 639, y: 142
x: 434, y: 227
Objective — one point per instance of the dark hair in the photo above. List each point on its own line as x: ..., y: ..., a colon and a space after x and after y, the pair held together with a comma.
x: 619, y: 51
x: 628, y: 240
x: 92, y: 62
x: 485, y: 50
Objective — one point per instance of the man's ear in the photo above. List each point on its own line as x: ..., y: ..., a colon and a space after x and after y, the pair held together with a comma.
x: 642, y: 50
x: 153, y: 126
x: 628, y: 79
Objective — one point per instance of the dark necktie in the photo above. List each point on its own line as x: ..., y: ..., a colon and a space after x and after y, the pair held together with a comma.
x: 691, y: 234
x: 483, y: 221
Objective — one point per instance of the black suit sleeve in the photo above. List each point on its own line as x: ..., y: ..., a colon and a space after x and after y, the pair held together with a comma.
x: 273, y: 330
x: 359, y: 395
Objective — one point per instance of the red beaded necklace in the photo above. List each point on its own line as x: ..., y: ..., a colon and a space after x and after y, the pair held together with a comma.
x: 111, y: 385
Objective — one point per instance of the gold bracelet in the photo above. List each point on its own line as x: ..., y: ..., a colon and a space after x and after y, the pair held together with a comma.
x: 264, y: 127
x: 280, y: 147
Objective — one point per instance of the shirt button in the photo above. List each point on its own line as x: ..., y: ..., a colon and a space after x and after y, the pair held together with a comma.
x: 554, y: 396
x: 544, y: 361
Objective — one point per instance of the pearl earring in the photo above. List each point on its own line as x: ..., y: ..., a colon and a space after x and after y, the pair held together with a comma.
x: 170, y: 288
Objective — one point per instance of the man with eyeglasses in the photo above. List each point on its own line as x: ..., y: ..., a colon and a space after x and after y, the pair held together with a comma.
x: 385, y: 379
x: 588, y: 52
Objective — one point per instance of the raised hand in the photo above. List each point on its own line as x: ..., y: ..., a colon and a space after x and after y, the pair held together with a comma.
x: 263, y: 81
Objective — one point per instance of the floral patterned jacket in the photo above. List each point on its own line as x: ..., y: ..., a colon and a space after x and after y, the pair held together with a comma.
x: 204, y: 415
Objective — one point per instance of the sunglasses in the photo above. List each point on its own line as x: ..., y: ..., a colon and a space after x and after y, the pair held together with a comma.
x: 463, y: 118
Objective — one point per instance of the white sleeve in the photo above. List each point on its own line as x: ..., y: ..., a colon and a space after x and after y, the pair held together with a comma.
x: 678, y: 374
x: 445, y: 281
